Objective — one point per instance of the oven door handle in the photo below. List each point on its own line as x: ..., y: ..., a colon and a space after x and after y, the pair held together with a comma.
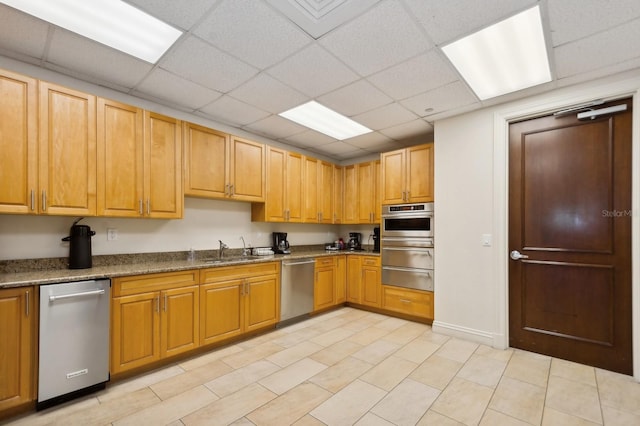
x: 426, y: 251
x: 427, y: 272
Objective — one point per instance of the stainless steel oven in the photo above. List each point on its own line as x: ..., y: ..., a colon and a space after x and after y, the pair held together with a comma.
x: 407, y: 246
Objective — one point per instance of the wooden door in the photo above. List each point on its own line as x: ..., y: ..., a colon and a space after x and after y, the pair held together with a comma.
x: 294, y: 193
x: 341, y: 280
x: 371, y: 282
x: 67, y: 141
x: 135, y: 332
x: 18, y: 144
x: 365, y: 192
x: 261, y: 302
x: 310, y: 182
x: 221, y: 316
x: 570, y: 213
x: 17, y: 346
x: 354, y: 278
x: 325, y: 192
x: 180, y: 320
x: 350, y: 213
x: 275, y: 208
x: 206, y: 153
x: 393, y: 177
x: 247, y: 170
x: 163, y: 166
x: 324, y: 284
x: 419, y: 174
x: 120, y: 169
x: 338, y: 194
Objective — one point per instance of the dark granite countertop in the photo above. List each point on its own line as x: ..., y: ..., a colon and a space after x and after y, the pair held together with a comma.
x: 48, y: 271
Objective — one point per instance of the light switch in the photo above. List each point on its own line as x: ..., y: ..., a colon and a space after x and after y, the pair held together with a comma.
x: 112, y: 234
x: 486, y: 240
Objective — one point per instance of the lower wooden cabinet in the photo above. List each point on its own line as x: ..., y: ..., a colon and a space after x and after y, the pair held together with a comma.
x: 153, y: 316
x: 324, y: 286
x: 17, y: 347
x: 417, y: 303
x: 341, y: 279
x: 363, y: 280
x: 236, y: 300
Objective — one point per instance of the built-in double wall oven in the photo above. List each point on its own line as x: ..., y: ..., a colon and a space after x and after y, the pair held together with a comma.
x: 407, y: 245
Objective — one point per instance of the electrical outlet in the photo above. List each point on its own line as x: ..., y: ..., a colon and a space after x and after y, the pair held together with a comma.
x: 112, y: 234
x: 486, y: 240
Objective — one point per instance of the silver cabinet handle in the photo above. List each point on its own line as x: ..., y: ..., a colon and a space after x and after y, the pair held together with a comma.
x: 140, y: 207
x: 408, y: 196
x: 158, y: 304
x: 44, y: 200
x: 165, y: 302
x: 405, y: 300
x: 33, y: 200
x: 73, y: 295
x: 148, y: 206
x: 231, y: 190
x: 26, y: 300
x: 516, y: 255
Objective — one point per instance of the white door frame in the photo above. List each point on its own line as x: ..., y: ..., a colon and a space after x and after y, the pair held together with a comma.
x: 541, y: 106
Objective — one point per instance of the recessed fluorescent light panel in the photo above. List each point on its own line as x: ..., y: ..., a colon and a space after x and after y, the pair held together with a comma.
x: 114, y: 23
x: 324, y: 120
x: 508, y: 56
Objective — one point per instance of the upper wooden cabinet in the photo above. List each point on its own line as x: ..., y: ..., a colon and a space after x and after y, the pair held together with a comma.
x: 18, y: 144
x: 218, y: 165
x: 325, y: 193
x: 310, y: 185
x: 407, y: 175
x: 338, y: 194
x: 361, y: 193
x: 67, y: 143
x: 350, y: 198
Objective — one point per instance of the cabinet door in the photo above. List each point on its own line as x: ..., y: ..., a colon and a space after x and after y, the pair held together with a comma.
x: 120, y: 159
x: 354, y: 278
x: 420, y: 174
x: 377, y: 200
x: 17, y: 346
x: 338, y: 194
x: 325, y: 192
x: 324, y: 283
x: 294, y: 195
x: 180, y: 320
x: 221, y: 316
x: 206, y: 154
x: 350, y: 194
x: 135, y: 332
x: 365, y: 192
x: 163, y: 166
x: 392, y: 182
x: 18, y: 144
x: 247, y: 170
x: 371, y: 285
x: 67, y: 151
x: 275, y: 208
x: 261, y: 302
x: 310, y: 182
x: 341, y: 280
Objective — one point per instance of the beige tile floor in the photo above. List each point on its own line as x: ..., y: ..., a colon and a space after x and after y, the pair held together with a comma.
x: 355, y: 367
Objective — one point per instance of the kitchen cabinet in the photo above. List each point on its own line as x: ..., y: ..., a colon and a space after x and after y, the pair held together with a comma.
x: 17, y: 347
x: 325, y: 192
x: 18, y: 144
x: 235, y: 300
x: 283, y: 200
x: 223, y: 166
x: 363, y: 280
x: 407, y: 301
x: 338, y: 194
x: 407, y: 175
x: 368, y: 190
x: 67, y: 151
x: 310, y: 182
x: 350, y: 213
x: 153, y: 316
x: 324, y: 286
x: 341, y: 279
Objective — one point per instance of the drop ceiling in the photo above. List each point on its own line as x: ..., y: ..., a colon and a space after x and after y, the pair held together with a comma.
x: 241, y: 62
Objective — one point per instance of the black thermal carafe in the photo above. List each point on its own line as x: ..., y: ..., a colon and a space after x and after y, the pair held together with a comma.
x: 79, y: 245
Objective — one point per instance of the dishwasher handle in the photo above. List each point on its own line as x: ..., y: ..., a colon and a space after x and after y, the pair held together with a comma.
x: 299, y: 263
x: 74, y: 295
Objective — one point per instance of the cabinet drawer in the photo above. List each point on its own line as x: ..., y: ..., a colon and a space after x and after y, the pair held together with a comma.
x: 136, y: 284
x: 322, y: 262
x: 242, y: 271
x: 370, y: 261
x: 411, y: 302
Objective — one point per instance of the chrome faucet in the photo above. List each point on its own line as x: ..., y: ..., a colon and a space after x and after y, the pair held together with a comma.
x: 221, y: 250
x: 245, y: 250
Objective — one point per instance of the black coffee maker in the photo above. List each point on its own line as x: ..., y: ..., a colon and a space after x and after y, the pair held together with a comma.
x: 280, y: 243
x: 355, y: 241
x: 376, y: 239
x: 79, y: 245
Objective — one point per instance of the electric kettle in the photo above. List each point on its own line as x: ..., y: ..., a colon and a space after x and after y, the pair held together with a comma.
x: 79, y: 245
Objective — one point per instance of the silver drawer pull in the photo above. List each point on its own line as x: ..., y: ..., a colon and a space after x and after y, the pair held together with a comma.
x: 72, y: 295
x: 405, y: 300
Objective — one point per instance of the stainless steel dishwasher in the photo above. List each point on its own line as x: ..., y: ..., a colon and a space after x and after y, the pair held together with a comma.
x: 74, y: 340
x: 296, y: 290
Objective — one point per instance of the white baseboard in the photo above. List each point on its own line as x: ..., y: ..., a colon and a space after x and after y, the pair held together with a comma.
x: 478, y: 336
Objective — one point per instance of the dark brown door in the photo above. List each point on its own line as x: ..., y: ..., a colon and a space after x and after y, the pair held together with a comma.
x: 570, y: 214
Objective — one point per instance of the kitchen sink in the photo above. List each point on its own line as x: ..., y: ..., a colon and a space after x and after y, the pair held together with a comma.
x: 232, y: 259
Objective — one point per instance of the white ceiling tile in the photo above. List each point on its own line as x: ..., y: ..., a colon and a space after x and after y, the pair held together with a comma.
x: 179, y: 13
x: 382, y: 37
x: 449, y: 20
x: 313, y: 71
x: 204, y: 64
x: 230, y: 110
x: 408, y: 130
x: 386, y: 116
x: 268, y: 94
x: 355, y: 98
x: 599, y: 50
x: 573, y: 19
x: 94, y: 60
x: 338, y: 148
x: 161, y: 84
x: 444, y: 98
x: 370, y: 141
x: 252, y: 31
x: 419, y: 74
x: 22, y: 33
x: 310, y: 138
x: 619, y: 68
x: 276, y: 127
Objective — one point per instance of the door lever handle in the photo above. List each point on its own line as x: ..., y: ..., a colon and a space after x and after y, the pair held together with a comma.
x: 516, y: 255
